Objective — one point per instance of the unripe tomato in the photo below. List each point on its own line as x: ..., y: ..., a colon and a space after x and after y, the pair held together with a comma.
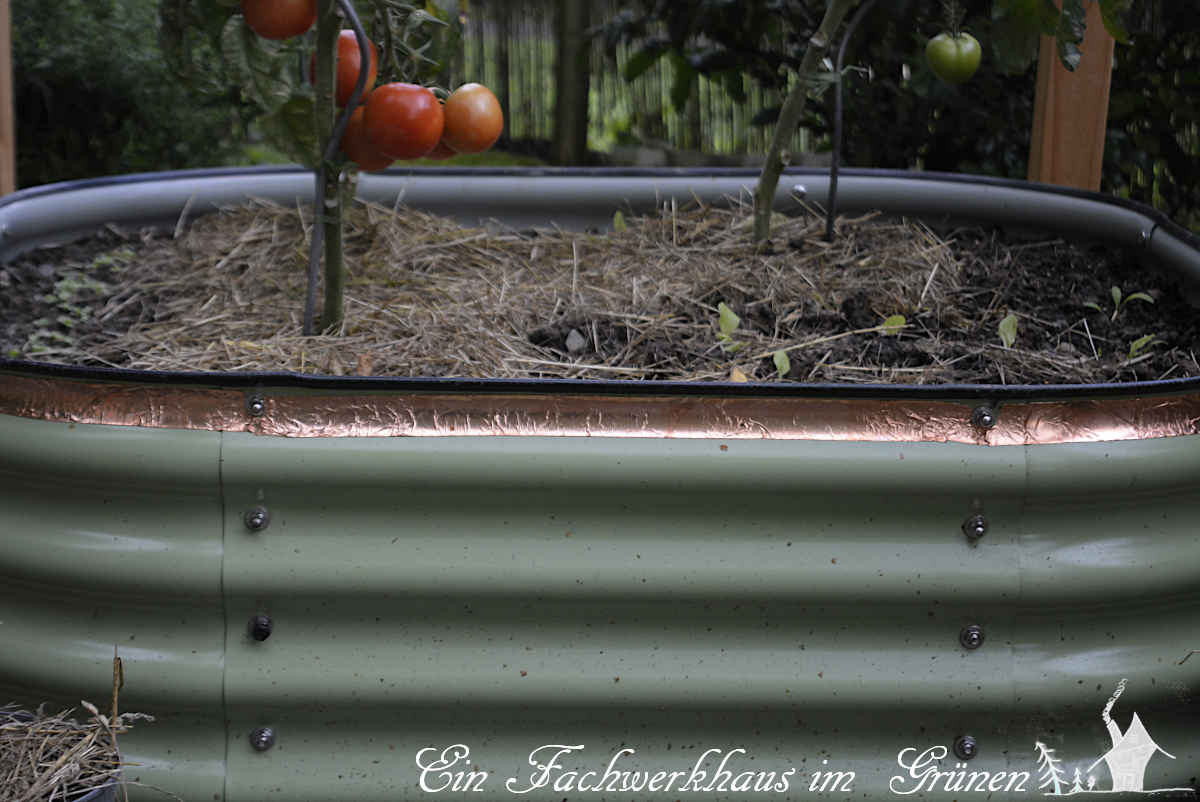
x: 474, y: 119
x: 404, y: 121
x: 279, y: 19
x: 357, y: 146
x: 954, y: 59
x: 349, y: 62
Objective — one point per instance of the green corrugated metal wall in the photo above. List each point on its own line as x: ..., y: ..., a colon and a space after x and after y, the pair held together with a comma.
x: 798, y: 600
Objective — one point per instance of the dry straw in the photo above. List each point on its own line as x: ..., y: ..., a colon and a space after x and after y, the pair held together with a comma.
x: 54, y: 757
x: 427, y: 297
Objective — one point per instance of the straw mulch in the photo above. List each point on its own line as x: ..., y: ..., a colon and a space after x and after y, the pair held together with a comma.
x: 54, y: 757
x: 427, y: 297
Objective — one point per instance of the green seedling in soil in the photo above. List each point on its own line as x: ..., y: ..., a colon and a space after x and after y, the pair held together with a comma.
x: 783, y: 363
x: 1008, y: 330
x: 728, y: 321
x: 1119, y: 301
x: 1142, y: 344
x: 894, y: 325
x: 619, y: 221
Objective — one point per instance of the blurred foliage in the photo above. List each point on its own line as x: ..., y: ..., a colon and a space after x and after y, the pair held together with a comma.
x: 899, y: 116
x: 94, y: 97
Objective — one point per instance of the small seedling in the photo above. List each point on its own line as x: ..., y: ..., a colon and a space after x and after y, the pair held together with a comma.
x: 1119, y: 301
x: 1142, y: 344
x: 1008, y: 330
x: 894, y: 325
x: 728, y: 321
x: 619, y: 221
x: 783, y: 363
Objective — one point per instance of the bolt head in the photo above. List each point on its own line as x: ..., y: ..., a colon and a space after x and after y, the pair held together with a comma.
x: 975, y: 527
x: 984, y: 417
x: 256, y: 406
x: 262, y: 739
x: 257, y: 519
x: 800, y: 191
x: 971, y: 637
x: 965, y: 747
x: 261, y: 627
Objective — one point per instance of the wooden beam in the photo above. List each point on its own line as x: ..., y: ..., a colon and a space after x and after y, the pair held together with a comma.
x: 1070, y: 114
x: 8, y: 127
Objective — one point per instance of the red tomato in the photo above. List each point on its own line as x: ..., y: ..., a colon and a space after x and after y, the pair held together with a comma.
x: 358, y: 147
x: 474, y: 119
x: 404, y: 121
x: 349, y: 62
x: 279, y: 19
x: 442, y: 152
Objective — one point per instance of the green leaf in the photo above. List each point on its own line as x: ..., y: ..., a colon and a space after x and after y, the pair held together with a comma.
x: 1141, y: 344
x: 728, y: 319
x: 783, y: 363
x: 619, y: 221
x: 642, y: 60
x: 1008, y: 330
x: 290, y: 129
x: 1116, y: 296
x: 1093, y: 305
x: 1112, y: 11
x: 893, y: 325
x: 1138, y: 296
x: 685, y: 77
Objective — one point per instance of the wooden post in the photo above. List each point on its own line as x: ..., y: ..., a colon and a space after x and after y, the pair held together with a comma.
x: 8, y: 127
x: 1070, y: 113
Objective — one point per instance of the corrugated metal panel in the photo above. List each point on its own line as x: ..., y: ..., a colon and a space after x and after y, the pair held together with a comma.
x: 799, y: 600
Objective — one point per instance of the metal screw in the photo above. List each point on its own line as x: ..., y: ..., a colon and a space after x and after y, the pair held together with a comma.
x: 971, y: 637
x: 800, y: 191
x: 965, y: 747
x: 262, y: 739
x: 256, y: 406
x: 1144, y: 237
x: 261, y: 627
x: 257, y: 519
x: 975, y: 527
x: 984, y: 417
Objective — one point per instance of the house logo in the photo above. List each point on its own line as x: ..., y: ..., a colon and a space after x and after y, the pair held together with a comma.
x: 1126, y: 761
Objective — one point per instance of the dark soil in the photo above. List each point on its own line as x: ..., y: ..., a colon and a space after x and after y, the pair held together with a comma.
x: 55, y: 298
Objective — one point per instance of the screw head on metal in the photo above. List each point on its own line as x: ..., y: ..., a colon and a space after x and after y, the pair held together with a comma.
x: 261, y: 627
x: 800, y: 191
x: 257, y: 519
x: 984, y: 417
x: 262, y: 739
x: 975, y: 527
x: 971, y: 637
x: 256, y: 406
x: 965, y: 747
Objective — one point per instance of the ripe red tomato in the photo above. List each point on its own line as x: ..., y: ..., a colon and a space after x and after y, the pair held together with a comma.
x: 279, y: 19
x: 349, y: 62
x: 404, y: 121
x: 474, y: 119
x: 442, y: 151
x: 357, y: 146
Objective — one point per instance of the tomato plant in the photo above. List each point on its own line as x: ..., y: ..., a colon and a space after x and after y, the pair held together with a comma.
x: 953, y: 57
x: 279, y: 19
x: 357, y: 146
x: 349, y: 62
x: 474, y: 119
x: 404, y: 121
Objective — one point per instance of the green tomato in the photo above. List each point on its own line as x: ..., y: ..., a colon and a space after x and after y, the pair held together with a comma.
x: 954, y: 59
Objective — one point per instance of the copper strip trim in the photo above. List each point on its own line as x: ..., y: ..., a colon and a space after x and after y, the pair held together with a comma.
x: 315, y: 414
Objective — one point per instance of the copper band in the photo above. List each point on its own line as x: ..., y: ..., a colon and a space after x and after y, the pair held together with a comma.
x: 291, y: 413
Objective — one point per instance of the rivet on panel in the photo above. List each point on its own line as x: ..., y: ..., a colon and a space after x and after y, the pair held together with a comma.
x: 256, y: 406
x: 261, y: 627
x: 257, y: 519
x: 262, y: 739
x: 975, y: 527
x: 965, y: 747
x: 984, y: 417
x: 971, y: 637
